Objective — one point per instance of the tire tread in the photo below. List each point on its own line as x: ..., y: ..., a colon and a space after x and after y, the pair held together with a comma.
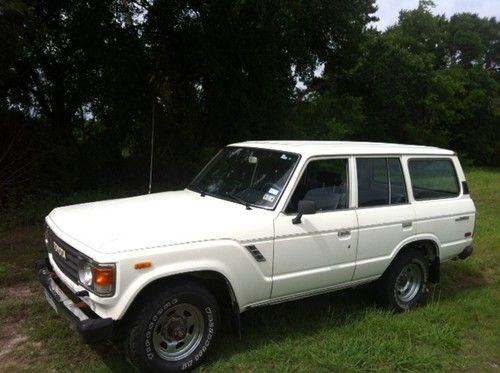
x: 384, y: 286
x: 152, y: 299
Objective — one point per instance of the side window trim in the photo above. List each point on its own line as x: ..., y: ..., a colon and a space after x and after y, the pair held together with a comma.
x: 407, y: 179
x: 388, y: 180
x: 349, y: 170
x: 405, y: 184
x: 451, y: 159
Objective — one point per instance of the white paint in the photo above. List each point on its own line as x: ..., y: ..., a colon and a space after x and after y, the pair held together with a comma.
x: 181, y: 232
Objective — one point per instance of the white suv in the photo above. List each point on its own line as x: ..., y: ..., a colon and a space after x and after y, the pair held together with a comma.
x: 264, y: 222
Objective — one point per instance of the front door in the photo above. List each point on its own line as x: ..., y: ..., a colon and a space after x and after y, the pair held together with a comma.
x: 320, y: 251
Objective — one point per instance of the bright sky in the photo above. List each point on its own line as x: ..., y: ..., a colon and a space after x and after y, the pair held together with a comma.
x: 388, y: 10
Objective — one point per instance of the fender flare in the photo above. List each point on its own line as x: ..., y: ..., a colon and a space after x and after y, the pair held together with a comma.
x: 435, y: 263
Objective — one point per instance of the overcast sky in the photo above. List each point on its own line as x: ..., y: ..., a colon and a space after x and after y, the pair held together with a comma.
x: 388, y: 10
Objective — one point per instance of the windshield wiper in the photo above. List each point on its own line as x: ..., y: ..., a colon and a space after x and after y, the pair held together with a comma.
x: 240, y: 200
x: 197, y: 189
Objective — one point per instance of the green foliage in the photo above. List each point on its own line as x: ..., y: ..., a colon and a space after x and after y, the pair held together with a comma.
x: 79, y: 81
x: 426, y: 80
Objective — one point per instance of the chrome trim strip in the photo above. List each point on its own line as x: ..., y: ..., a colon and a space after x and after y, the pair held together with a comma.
x: 293, y: 235
x: 173, y: 244
x: 311, y: 293
x: 325, y: 231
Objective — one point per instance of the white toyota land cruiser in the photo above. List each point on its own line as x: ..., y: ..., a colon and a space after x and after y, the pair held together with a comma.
x: 264, y: 222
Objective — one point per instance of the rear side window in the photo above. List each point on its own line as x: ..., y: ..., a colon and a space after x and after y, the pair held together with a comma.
x: 380, y: 182
x: 433, y: 179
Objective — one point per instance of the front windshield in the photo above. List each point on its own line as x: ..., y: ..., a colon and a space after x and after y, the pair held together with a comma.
x: 247, y: 175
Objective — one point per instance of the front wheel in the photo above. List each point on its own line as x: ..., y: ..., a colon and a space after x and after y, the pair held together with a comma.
x: 174, y: 329
x: 404, y: 284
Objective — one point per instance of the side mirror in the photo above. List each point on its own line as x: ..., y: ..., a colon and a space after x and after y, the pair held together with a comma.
x: 305, y: 207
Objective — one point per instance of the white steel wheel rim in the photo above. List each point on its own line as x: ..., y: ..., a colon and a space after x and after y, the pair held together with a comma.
x: 408, y: 283
x: 178, y: 332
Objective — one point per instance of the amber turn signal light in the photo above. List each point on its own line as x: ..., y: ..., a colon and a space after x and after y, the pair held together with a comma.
x: 143, y: 265
x: 103, y: 276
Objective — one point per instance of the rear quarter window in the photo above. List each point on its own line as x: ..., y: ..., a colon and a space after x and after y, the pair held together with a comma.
x: 433, y: 178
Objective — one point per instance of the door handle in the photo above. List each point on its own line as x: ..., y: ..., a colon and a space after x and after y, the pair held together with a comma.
x: 344, y: 233
x: 406, y: 224
x: 462, y: 218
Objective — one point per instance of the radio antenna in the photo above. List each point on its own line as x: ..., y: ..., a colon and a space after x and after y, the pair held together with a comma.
x: 152, y: 148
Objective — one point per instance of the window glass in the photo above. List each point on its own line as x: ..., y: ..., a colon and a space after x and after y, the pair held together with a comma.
x: 247, y: 175
x: 433, y: 178
x: 380, y: 182
x: 397, y: 181
x: 373, y: 182
x: 325, y: 182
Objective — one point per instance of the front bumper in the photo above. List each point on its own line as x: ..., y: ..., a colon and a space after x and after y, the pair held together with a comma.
x: 89, y: 326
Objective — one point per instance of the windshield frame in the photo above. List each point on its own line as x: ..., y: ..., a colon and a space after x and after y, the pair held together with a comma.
x: 215, y: 157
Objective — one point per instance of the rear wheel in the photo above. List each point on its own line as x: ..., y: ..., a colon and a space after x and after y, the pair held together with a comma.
x: 404, y: 284
x: 174, y: 329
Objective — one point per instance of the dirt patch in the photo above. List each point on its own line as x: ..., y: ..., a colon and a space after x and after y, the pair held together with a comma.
x: 10, y: 339
x: 13, y: 342
x: 19, y: 292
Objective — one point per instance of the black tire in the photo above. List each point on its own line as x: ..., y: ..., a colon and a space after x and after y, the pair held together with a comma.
x: 390, y: 289
x: 165, y: 310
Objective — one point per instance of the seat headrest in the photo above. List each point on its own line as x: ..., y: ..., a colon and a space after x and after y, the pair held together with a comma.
x: 329, y: 178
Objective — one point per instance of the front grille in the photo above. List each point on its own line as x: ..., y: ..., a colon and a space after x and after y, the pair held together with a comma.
x: 68, y: 266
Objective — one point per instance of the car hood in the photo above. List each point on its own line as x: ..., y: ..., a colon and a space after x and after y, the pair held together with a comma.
x: 160, y: 219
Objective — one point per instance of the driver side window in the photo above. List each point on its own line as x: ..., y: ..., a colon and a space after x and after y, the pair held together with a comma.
x: 325, y: 182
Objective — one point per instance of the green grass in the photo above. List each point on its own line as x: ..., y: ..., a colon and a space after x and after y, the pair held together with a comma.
x: 457, y: 329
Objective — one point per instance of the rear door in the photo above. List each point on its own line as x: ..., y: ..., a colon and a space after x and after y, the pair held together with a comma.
x: 384, y: 213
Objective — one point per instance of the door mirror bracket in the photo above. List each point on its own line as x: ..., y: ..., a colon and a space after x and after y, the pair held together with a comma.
x: 305, y: 207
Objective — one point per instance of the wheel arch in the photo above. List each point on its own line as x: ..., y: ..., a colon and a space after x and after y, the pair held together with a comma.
x: 429, y: 246
x: 212, y: 280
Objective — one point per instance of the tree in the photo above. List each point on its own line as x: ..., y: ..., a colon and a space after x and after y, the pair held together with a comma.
x: 426, y: 80
x: 81, y: 80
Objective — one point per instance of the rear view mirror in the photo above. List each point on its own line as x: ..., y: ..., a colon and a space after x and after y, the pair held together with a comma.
x: 305, y: 207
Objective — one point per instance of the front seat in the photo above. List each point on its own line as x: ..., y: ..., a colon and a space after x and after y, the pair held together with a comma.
x: 325, y: 196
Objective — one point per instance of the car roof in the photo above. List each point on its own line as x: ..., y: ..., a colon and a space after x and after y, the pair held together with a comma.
x: 312, y: 148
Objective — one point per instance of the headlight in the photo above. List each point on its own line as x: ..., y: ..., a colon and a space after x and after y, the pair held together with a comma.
x: 98, y: 278
x: 85, y: 275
